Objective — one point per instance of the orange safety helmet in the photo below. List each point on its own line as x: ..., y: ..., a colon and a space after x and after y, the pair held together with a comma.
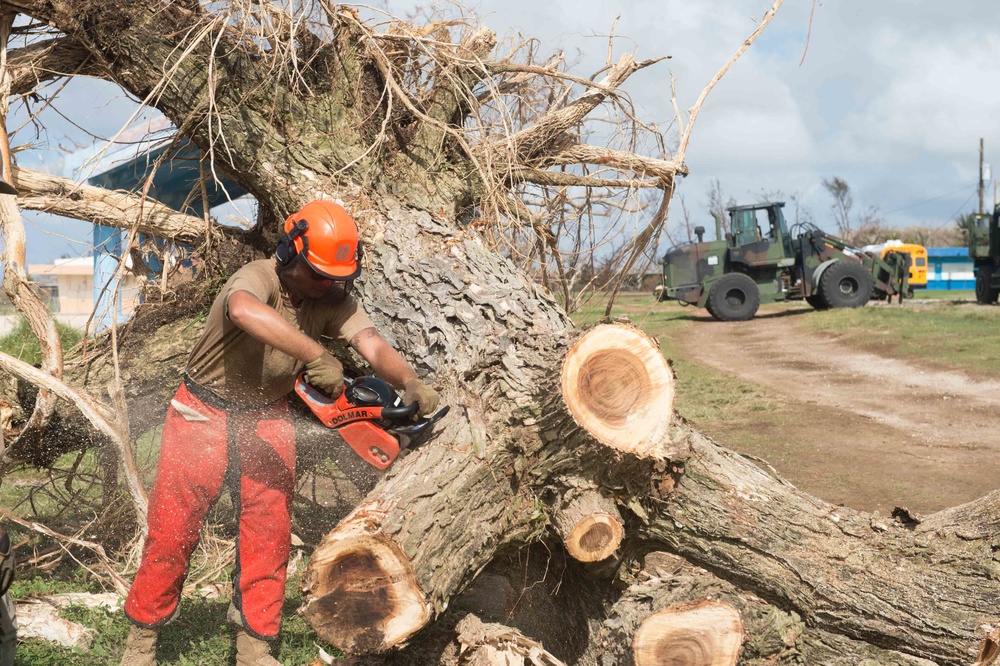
x: 325, y: 236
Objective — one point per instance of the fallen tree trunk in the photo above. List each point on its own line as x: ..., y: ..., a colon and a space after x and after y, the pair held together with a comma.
x: 488, y: 479
x: 666, y: 583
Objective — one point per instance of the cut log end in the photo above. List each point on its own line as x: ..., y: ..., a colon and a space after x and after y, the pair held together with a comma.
x: 595, y: 538
x: 361, y: 594
x: 989, y: 652
x: 590, y: 526
x: 709, y: 633
x: 618, y: 386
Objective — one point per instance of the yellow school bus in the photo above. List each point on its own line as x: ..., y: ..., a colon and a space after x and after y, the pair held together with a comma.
x: 918, y: 262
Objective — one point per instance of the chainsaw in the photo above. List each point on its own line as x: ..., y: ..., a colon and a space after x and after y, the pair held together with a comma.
x: 370, y: 417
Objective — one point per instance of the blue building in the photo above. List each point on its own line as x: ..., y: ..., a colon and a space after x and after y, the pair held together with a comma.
x: 127, y: 169
x: 950, y: 268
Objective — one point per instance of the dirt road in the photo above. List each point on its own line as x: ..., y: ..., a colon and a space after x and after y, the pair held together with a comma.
x: 853, y: 427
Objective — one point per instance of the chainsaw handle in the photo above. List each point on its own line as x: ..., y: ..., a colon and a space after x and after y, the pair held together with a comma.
x: 400, y: 412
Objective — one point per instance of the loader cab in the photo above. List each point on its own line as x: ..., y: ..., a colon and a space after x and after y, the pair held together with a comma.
x: 758, y: 233
x: 984, y: 239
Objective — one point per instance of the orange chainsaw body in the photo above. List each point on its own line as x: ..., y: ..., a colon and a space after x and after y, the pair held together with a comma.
x: 355, y: 424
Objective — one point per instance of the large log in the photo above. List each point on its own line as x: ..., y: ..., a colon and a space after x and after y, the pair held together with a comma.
x: 664, y: 583
x: 467, y: 494
x: 476, y: 489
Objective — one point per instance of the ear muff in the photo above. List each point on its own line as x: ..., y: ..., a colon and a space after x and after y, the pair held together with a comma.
x: 286, y: 250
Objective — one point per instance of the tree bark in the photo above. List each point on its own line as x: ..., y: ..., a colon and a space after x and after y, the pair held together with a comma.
x: 773, y: 636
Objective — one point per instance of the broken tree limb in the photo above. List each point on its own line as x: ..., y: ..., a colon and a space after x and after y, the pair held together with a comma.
x: 590, y: 526
x: 35, y: 64
x: 707, y: 633
x: 112, y: 208
x: 533, y: 142
x: 490, y: 644
x: 15, y: 278
x: 100, y: 416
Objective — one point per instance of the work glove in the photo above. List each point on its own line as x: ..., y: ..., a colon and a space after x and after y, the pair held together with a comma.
x: 426, y: 398
x: 326, y: 373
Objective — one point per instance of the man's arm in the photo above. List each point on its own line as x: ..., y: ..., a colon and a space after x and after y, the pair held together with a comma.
x: 263, y: 323
x: 393, y: 368
x: 385, y: 361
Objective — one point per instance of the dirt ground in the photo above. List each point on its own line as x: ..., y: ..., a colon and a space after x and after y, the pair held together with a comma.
x: 853, y: 427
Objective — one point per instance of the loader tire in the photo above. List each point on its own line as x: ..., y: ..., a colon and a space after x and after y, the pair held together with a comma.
x: 734, y: 297
x: 846, y: 284
x: 816, y: 300
x: 985, y: 294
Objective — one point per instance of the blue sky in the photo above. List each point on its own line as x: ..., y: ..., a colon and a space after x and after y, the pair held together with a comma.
x: 891, y: 97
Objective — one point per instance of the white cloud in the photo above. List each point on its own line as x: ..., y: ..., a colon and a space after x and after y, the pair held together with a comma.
x: 892, y: 96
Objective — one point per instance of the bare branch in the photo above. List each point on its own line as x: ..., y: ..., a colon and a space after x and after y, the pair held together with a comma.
x: 564, y: 179
x: 121, y: 586
x: 50, y: 59
x: 664, y: 170
x: 15, y: 279
x: 529, y: 143
x: 113, y: 208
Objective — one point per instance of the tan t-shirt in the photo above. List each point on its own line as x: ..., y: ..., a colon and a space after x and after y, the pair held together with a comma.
x: 235, y: 366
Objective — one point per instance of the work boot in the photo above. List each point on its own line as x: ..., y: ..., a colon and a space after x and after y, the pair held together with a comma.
x: 252, y: 651
x: 140, y: 648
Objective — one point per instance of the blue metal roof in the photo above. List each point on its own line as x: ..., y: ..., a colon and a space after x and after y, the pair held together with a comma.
x: 948, y: 252
x: 172, y: 182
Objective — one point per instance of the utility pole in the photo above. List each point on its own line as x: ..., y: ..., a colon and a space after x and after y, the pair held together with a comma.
x: 980, y: 175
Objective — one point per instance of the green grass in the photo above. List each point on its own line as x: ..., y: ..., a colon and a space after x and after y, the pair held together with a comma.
x: 955, y: 335
x: 22, y: 344
x: 199, y: 635
x: 944, y: 294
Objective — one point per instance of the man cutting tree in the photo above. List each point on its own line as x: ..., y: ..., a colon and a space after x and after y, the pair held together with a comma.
x: 230, y: 420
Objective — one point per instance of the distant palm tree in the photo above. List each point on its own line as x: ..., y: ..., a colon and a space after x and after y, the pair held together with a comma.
x: 965, y: 223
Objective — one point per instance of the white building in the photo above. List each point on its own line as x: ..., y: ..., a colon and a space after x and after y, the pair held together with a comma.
x: 75, y: 289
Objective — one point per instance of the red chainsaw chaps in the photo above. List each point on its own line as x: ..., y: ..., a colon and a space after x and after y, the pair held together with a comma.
x: 194, y: 456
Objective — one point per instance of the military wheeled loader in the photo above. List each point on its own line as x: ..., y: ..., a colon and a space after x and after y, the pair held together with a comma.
x: 984, y: 250
x: 758, y: 260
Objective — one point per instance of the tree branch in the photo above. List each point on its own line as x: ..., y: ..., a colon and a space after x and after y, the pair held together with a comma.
x: 563, y: 179
x: 15, y: 279
x: 663, y: 170
x: 530, y: 143
x: 50, y: 59
x: 112, y: 208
